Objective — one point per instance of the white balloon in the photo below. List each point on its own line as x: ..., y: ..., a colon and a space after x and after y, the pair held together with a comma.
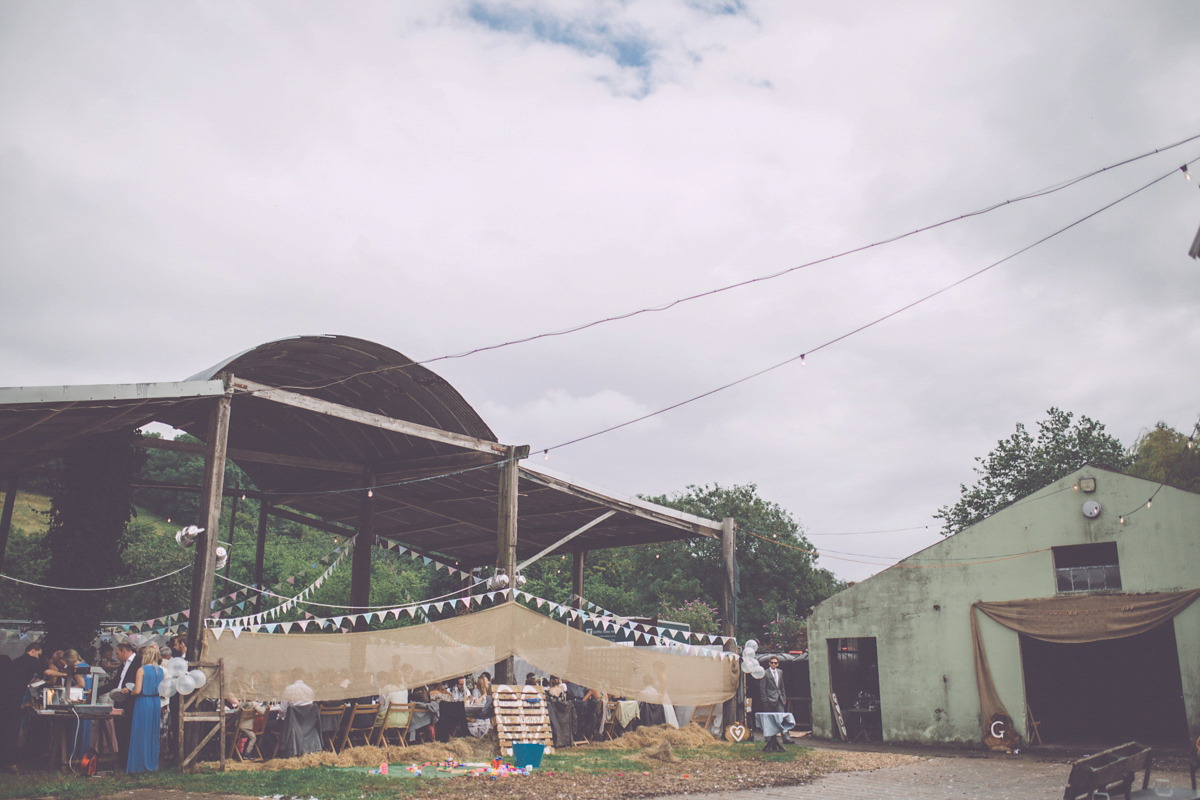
x: 166, y: 687
x: 758, y: 672
x: 177, y: 666
x: 185, y: 684
x: 751, y: 645
x: 748, y: 665
x: 199, y: 677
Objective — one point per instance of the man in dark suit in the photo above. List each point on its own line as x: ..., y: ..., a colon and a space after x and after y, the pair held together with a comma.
x: 122, y: 698
x: 13, y: 682
x: 772, y: 695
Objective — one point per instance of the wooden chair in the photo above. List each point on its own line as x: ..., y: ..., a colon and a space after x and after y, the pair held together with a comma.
x: 332, y: 724
x: 360, y: 722
x: 608, y: 729
x: 396, y: 721
x: 1035, y: 737
x: 703, y: 716
x: 233, y: 731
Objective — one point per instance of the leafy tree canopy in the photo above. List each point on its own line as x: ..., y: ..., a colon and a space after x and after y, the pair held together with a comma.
x: 1022, y: 464
x: 1165, y: 455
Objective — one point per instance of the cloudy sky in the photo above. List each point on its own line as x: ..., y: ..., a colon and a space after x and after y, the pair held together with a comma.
x: 182, y: 181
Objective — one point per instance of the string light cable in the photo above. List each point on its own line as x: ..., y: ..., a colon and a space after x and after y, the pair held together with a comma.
x: 1122, y: 517
x: 868, y: 325
x: 97, y: 588
x: 761, y: 278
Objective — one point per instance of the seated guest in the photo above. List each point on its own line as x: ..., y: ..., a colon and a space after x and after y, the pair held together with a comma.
x: 301, y: 730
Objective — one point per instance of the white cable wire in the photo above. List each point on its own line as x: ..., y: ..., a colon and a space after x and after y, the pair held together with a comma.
x: 98, y: 588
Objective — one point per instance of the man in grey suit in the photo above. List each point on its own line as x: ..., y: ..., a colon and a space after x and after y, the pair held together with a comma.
x: 772, y: 695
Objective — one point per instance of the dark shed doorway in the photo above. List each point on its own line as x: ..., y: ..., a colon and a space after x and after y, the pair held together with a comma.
x: 1107, y: 692
x: 854, y: 680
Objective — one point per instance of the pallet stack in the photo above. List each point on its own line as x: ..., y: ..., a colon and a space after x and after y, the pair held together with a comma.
x: 522, y: 715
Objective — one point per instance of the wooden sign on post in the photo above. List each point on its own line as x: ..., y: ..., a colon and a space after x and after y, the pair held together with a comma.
x: 837, y: 717
x: 522, y: 715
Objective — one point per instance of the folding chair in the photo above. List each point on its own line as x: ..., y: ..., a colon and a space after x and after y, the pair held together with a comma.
x: 609, y: 725
x: 360, y: 721
x: 397, y: 720
x: 234, y: 731
x: 703, y: 716
x: 331, y: 725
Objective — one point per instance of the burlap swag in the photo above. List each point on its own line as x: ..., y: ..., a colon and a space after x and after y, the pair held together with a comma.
x: 1065, y: 620
x: 339, y: 665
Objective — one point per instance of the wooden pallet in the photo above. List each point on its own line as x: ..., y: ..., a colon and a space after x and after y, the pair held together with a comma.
x: 522, y: 715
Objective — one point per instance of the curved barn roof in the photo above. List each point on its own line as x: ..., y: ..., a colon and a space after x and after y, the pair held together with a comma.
x: 315, y: 419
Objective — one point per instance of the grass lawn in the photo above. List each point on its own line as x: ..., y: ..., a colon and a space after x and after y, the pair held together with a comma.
x: 575, y: 772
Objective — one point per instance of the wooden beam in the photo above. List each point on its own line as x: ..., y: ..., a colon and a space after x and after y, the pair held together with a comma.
x: 259, y: 552
x: 364, y: 546
x: 255, y: 456
x: 663, y: 516
x: 232, y: 530
x: 433, y: 465
x: 312, y: 522
x: 581, y: 529
x: 10, y: 499
x: 506, y: 541
x: 577, y: 586
x: 204, y: 570
x: 340, y: 411
x: 734, y: 708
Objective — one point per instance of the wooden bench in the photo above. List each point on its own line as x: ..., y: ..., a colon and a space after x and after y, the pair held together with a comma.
x: 1113, y: 772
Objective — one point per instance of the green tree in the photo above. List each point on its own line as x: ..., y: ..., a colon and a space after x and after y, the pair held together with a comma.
x: 1022, y: 464
x: 1165, y: 455
x: 777, y: 573
x: 90, y: 508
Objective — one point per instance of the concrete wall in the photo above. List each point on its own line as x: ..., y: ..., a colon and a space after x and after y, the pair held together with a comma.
x: 918, y: 611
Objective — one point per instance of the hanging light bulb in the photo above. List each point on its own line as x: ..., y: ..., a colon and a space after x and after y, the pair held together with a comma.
x: 370, y: 492
x: 1122, y: 520
x: 1185, y: 172
x: 545, y: 455
x: 1148, y: 502
x: 802, y: 361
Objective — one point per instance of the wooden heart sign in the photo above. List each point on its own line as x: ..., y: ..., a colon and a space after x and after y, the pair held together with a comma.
x: 737, y: 732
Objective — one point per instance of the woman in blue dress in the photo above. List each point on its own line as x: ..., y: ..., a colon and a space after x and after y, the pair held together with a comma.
x: 147, y: 714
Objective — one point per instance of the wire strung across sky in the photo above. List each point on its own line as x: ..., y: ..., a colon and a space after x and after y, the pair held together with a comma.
x: 801, y: 357
x: 761, y: 278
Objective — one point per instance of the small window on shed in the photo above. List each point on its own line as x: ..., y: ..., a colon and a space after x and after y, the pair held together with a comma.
x: 1087, y: 567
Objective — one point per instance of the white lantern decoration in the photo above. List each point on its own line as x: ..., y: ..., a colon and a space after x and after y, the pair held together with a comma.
x: 185, y: 685
x: 166, y: 687
x: 188, y: 536
x: 198, y: 677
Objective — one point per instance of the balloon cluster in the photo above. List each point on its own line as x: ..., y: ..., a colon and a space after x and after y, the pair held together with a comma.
x: 179, y: 679
x: 750, y: 664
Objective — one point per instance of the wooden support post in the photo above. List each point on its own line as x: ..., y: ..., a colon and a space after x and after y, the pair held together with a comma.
x: 734, y: 710
x: 364, y: 543
x: 10, y: 499
x: 232, y: 528
x: 263, y: 509
x: 577, y: 585
x: 210, y: 509
x: 506, y: 539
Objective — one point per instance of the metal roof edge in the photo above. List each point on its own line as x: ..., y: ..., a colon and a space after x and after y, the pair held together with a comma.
x: 99, y: 393
x: 614, y: 500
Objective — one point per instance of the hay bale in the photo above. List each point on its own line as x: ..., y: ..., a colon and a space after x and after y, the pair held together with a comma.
x: 464, y: 749
x: 690, y: 735
x: 660, y: 751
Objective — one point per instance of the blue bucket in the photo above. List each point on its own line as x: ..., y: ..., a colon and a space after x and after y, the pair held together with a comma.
x: 528, y: 754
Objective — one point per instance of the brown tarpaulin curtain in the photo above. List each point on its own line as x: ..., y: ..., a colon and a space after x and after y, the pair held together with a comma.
x: 1069, y: 620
